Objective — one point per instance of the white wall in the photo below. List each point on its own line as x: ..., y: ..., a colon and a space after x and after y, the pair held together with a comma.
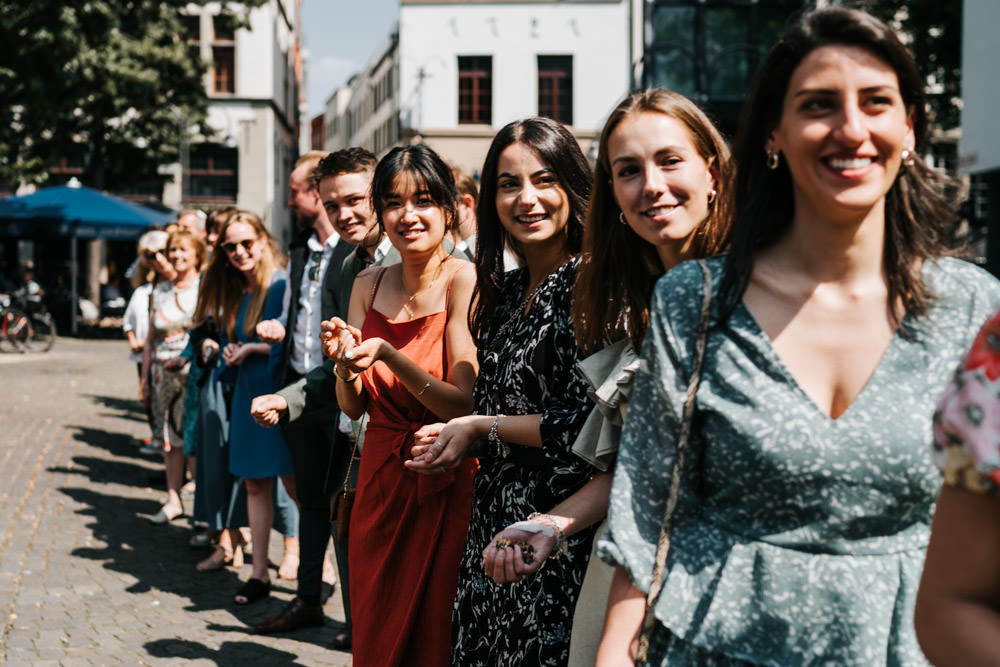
x: 979, y: 149
x: 432, y: 36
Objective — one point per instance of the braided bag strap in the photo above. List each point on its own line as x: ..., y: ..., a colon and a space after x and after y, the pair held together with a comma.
x: 663, y: 546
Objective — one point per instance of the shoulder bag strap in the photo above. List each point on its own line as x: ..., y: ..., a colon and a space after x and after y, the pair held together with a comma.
x: 663, y: 547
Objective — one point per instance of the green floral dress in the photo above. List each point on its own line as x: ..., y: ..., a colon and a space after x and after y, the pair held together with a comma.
x: 798, y: 539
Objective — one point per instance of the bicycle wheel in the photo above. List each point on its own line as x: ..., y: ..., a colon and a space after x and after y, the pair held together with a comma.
x: 15, y: 328
x: 42, y: 334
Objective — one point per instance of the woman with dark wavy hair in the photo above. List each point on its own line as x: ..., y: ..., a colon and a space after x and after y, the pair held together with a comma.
x: 804, y: 504
x: 529, y: 401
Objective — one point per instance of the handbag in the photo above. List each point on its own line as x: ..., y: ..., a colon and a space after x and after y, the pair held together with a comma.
x: 343, y: 503
x: 663, y: 546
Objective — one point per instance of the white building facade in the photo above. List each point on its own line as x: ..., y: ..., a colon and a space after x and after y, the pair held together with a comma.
x: 253, y: 87
x: 458, y: 71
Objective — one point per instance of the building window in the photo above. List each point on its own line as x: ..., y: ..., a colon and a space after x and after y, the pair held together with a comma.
x: 223, y: 55
x: 709, y: 50
x: 212, y: 173
x: 555, y: 88
x: 475, y: 89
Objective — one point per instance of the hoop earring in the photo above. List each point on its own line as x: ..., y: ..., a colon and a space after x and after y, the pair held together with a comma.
x: 621, y: 218
x: 908, y: 158
x: 711, y: 195
x: 772, y: 160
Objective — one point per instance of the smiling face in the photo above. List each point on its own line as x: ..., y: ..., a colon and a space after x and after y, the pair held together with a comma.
x: 414, y: 222
x: 242, y: 247
x: 531, y: 204
x: 345, y: 197
x: 182, y: 255
x: 659, y: 180
x: 843, y: 128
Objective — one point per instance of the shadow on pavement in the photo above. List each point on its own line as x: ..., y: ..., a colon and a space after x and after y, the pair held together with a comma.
x: 120, y: 408
x: 229, y: 653
x: 159, y: 558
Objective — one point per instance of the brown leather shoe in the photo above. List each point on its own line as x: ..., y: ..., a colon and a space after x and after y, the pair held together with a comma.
x: 297, y: 614
x: 341, y: 641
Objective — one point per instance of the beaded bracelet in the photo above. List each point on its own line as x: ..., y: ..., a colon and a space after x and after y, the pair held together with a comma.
x: 562, y: 546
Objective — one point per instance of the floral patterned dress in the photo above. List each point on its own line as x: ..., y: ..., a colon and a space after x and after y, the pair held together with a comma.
x: 798, y: 539
x: 527, y: 367
x: 967, y: 421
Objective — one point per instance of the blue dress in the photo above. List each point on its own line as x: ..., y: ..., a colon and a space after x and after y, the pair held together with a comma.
x: 256, y: 452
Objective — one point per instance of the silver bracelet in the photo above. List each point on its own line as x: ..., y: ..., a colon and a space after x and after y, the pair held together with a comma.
x: 421, y: 393
x: 348, y: 379
x: 500, y: 448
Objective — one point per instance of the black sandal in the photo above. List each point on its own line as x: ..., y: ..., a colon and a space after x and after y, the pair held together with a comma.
x: 253, y: 590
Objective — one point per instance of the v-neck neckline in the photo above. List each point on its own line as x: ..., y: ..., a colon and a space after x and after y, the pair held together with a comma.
x: 779, y: 363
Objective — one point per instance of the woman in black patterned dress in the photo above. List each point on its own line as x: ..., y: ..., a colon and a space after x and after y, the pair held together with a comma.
x: 530, y: 402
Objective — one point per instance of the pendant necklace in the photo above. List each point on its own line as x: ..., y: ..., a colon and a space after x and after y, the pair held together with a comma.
x: 406, y: 304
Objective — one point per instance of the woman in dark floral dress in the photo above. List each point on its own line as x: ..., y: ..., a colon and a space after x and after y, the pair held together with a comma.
x: 530, y: 403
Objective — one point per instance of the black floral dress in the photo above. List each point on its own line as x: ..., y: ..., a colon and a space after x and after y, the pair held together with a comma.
x: 526, y: 367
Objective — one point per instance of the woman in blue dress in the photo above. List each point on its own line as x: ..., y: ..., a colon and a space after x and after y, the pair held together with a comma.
x: 248, y: 285
x: 805, y: 501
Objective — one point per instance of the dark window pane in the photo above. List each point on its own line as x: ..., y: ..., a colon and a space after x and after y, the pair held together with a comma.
x: 674, y: 70
x: 673, y: 25
x: 225, y: 29
x: 475, y: 89
x: 223, y: 69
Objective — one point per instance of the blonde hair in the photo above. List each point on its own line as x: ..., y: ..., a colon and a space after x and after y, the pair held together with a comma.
x: 223, y: 286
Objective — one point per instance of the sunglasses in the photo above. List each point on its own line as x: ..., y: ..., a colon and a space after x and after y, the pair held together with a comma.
x: 247, y: 245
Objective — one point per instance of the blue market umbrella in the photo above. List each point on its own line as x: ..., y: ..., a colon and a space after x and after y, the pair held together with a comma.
x: 75, y: 210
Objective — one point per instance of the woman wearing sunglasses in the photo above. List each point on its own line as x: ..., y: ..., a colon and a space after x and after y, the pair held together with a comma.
x: 246, y: 284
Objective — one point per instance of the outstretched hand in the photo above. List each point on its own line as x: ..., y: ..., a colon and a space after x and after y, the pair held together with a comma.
x: 514, y: 554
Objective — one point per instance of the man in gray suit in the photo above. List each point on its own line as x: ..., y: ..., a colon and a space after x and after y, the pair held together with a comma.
x: 307, y: 408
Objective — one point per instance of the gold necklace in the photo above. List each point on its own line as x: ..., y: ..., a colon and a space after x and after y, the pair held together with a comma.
x: 437, y: 274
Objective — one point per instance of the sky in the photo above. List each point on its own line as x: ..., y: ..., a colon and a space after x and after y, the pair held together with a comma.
x: 339, y: 37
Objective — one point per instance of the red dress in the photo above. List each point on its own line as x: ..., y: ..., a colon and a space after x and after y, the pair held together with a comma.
x: 407, y: 530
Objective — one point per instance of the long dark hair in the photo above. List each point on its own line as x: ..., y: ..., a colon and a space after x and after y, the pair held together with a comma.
x: 615, y: 282
x: 429, y: 173
x: 919, y: 206
x: 559, y: 151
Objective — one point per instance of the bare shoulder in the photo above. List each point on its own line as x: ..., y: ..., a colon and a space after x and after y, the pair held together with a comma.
x: 465, y: 275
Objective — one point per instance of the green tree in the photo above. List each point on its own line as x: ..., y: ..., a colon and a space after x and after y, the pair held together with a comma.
x: 111, y: 81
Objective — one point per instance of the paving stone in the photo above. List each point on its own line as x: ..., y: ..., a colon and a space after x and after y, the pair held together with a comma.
x: 84, y: 578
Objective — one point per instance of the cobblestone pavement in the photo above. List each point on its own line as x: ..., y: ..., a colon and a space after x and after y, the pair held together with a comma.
x: 84, y: 578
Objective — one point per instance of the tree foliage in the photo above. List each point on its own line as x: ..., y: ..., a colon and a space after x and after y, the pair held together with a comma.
x: 111, y: 81
x: 932, y: 29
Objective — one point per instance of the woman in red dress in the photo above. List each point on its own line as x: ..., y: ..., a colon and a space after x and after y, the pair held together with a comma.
x: 406, y: 358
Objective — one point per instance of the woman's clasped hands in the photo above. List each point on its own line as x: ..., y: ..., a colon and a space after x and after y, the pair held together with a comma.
x: 439, y: 447
x: 344, y: 345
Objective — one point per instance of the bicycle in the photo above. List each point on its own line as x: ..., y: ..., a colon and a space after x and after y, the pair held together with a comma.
x: 28, y: 329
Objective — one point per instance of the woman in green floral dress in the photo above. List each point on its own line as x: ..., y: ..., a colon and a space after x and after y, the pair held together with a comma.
x: 806, y: 500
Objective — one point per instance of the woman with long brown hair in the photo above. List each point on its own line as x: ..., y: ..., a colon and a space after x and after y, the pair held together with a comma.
x: 245, y: 284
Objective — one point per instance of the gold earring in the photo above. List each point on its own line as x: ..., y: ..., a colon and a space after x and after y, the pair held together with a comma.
x: 711, y: 195
x: 772, y: 160
x: 908, y: 157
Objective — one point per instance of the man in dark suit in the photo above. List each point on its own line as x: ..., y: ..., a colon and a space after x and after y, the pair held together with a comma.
x: 307, y: 407
x: 316, y: 259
